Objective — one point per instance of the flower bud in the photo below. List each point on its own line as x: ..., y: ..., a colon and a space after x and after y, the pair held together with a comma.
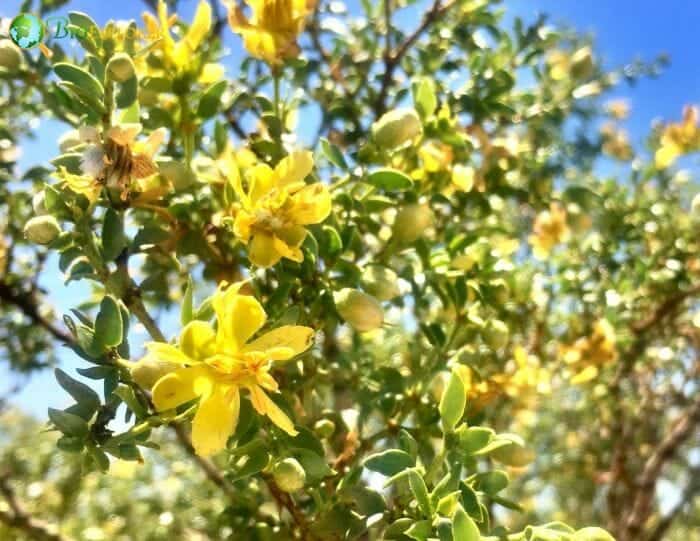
x: 42, y: 229
x: 289, y: 475
x: 39, y: 203
x: 147, y: 371
x: 324, y: 428
x: 121, y: 67
x: 10, y: 56
x: 361, y: 311
x: 410, y: 223
x: 380, y: 282
x: 495, y: 334
x: 395, y: 128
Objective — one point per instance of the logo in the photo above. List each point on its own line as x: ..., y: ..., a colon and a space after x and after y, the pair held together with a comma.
x: 26, y: 30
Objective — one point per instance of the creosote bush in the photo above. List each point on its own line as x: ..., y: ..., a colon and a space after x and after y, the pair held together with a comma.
x: 387, y: 292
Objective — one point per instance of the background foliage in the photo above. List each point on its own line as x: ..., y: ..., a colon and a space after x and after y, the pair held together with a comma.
x: 506, y: 324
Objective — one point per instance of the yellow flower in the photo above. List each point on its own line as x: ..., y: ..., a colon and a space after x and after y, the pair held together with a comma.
x: 616, y: 143
x: 618, y: 109
x: 276, y: 206
x: 214, y: 365
x: 271, y: 32
x: 588, y: 353
x: 115, y: 159
x: 549, y: 230
x: 679, y: 138
x: 181, y: 55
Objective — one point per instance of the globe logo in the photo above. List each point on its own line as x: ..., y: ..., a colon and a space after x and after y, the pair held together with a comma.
x: 26, y: 30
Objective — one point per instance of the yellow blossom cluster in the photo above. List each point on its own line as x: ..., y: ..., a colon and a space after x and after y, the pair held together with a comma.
x: 587, y: 354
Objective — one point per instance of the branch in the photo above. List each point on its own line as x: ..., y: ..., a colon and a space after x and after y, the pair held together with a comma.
x: 618, y: 465
x: 691, y: 489
x: 392, y: 60
x: 285, y: 501
x: 666, y: 450
x: 27, y: 304
x: 17, y: 517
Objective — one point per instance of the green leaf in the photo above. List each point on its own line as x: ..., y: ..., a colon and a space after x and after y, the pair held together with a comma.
x: 333, y: 243
x: 84, y: 96
x: 86, y: 23
x: 470, y: 501
x: 109, y: 326
x: 420, y: 531
x: 113, y: 238
x: 453, y: 402
x: 80, y: 392
x: 420, y: 491
x: 389, y: 462
x: 129, y: 397
x: 79, y: 77
x: 424, y: 98
x: 314, y: 465
x: 128, y: 92
x: 491, y: 482
x: 464, y: 528
x: 68, y: 423
x: 333, y: 154
x: 390, y: 180
x: 209, y: 104
x: 474, y: 438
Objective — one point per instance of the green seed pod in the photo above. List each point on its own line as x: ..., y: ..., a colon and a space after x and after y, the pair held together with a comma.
x: 42, y: 229
x: 147, y: 371
x: 324, y: 428
x: 121, y: 68
x: 396, y: 128
x: 289, y: 475
x: 495, y: 334
x: 361, y: 311
x: 10, y: 56
x: 380, y: 282
x: 411, y: 222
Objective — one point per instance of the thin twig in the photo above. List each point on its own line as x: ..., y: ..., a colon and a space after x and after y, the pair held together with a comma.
x: 18, y: 517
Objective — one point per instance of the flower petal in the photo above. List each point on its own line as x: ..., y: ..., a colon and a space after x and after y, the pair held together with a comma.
x: 265, y: 406
x: 168, y: 353
x: 215, y: 420
x: 283, y: 342
x: 311, y: 204
x: 198, y: 340
x: 294, y: 168
x: 200, y: 26
x: 181, y: 386
x: 262, y: 251
x: 242, y: 317
x: 262, y: 180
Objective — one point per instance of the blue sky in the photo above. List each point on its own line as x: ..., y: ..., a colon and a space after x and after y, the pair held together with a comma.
x: 623, y: 30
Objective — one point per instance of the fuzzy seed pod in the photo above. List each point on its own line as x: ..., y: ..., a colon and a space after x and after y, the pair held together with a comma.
x: 380, y: 282
x: 395, y: 128
x: 411, y: 222
x: 289, y: 475
x: 361, y: 311
x: 42, y: 229
x: 121, y: 67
